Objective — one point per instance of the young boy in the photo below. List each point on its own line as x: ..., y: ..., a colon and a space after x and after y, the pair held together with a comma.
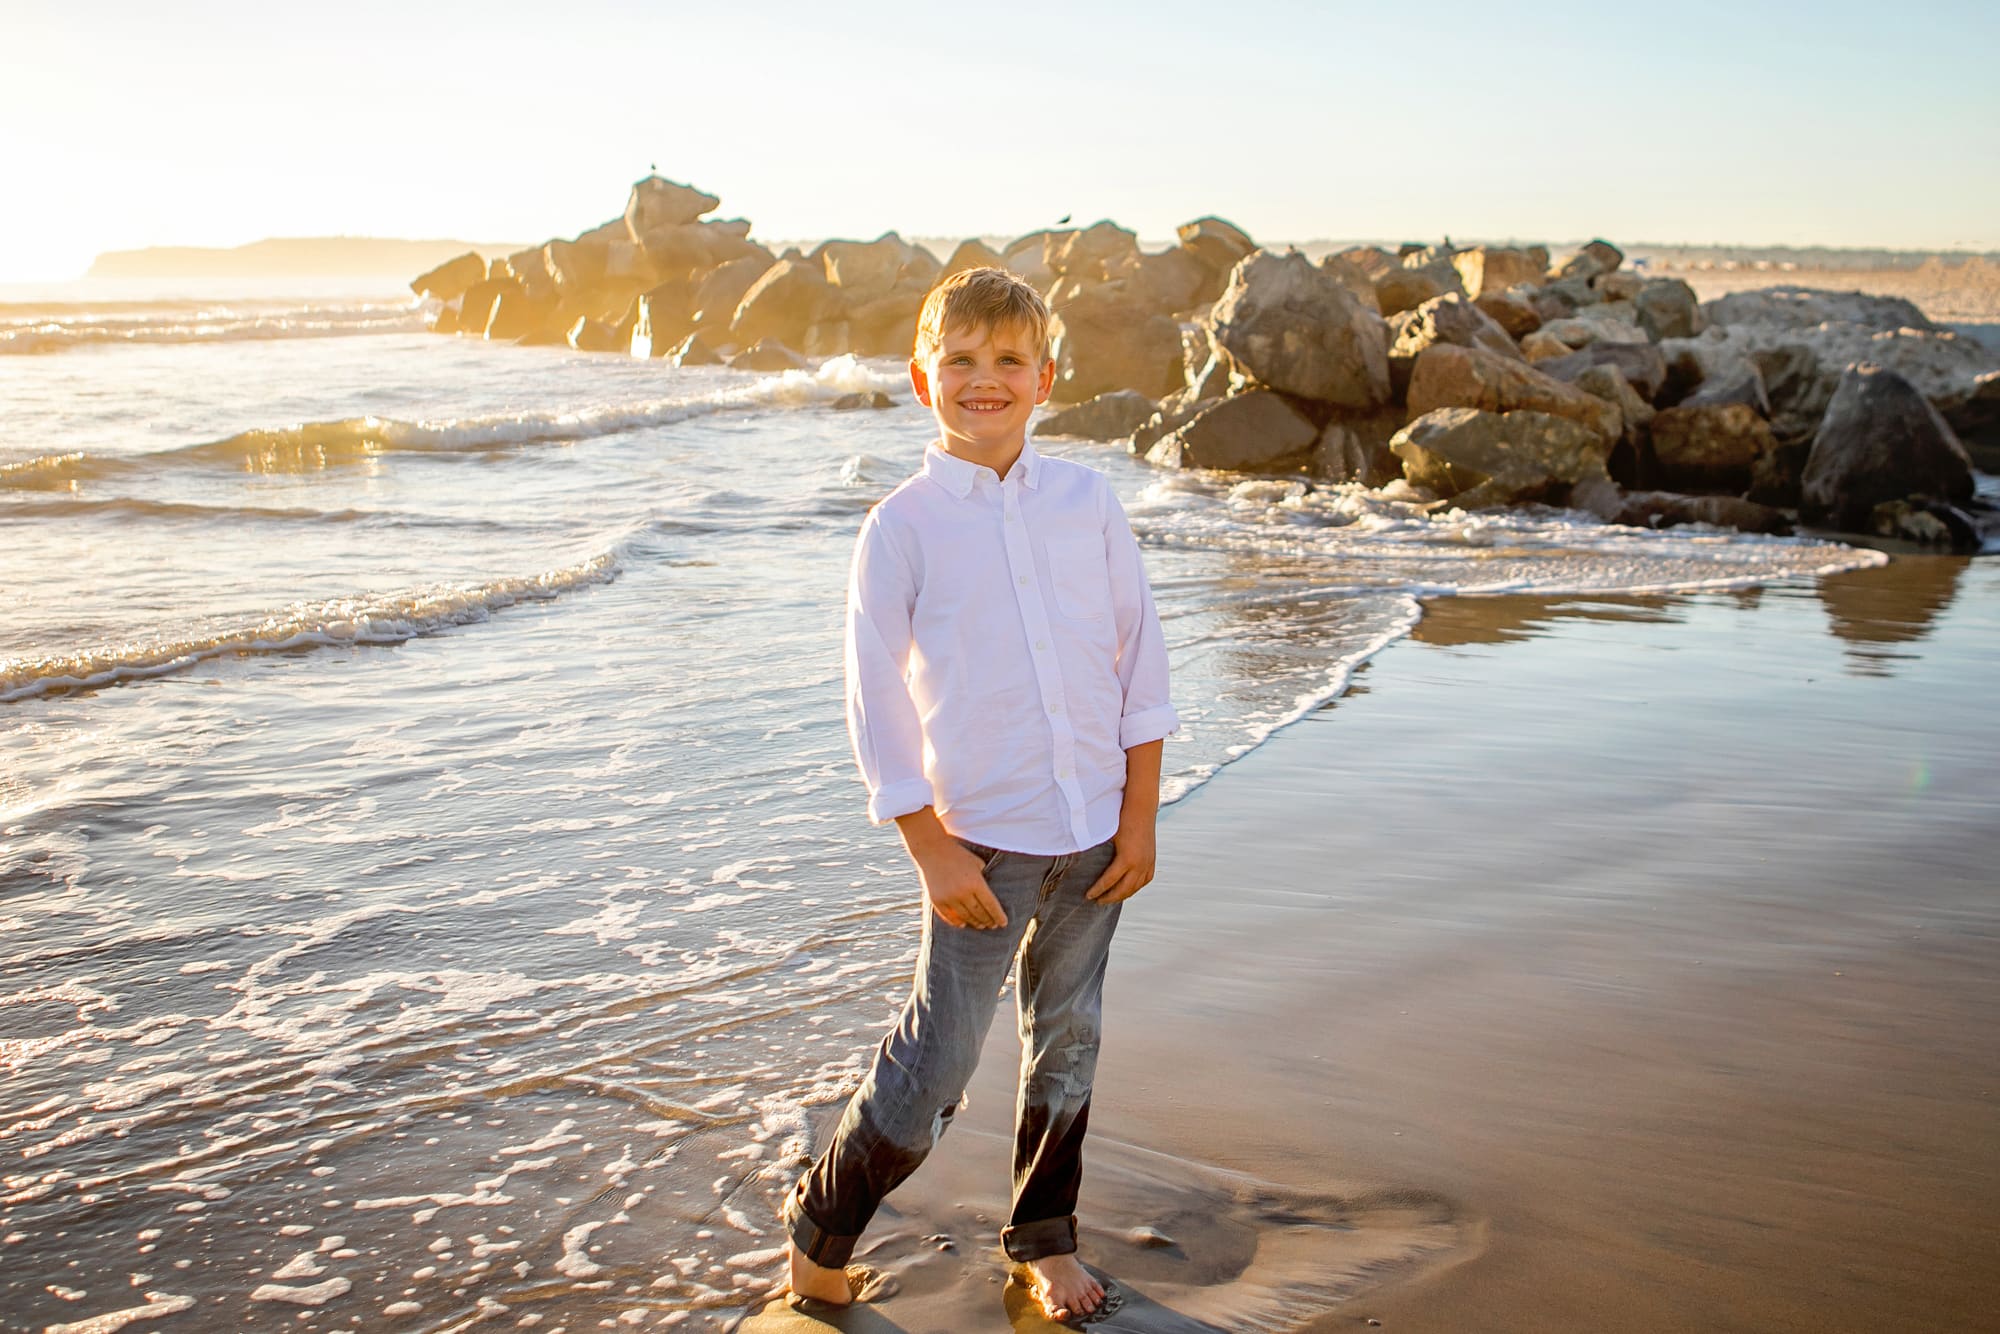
x: 1007, y: 699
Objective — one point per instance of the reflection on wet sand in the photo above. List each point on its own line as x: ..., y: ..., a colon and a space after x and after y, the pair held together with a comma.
x: 1451, y: 622
x: 1897, y: 603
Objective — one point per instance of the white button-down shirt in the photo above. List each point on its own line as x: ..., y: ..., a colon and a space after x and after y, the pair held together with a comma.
x: 1003, y: 653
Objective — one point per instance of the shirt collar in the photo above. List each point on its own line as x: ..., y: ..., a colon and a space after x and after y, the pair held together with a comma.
x: 957, y: 475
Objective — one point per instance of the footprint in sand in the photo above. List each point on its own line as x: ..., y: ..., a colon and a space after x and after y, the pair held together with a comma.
x: 1187, y: 1249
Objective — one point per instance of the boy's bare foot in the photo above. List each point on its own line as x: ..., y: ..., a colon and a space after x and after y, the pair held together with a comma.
x: 1064, y: 1287
x: 815, y: 1281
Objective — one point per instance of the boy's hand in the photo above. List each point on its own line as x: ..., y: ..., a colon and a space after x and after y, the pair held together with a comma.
x: 954, y: 880
x: 1131, y: 868
x: 1132, y: 847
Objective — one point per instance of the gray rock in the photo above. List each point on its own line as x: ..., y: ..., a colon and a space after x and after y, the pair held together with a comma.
x: 1106, y: 338
x: 1511, y: 311
x: 1490, y: 270
x: 657, y: 203
x: 1257, y: 430
x: 1642, y: 365
x: 787, y: 299
x: 1667, y: 509
x: 1355, y: 448
x: 1715, y: 439
x: 1481, y: 459
x: 1593, y: 260
x: 1880, y: 441
x: 1808, y: 308
x: 1112, y: 416
x: 1450, y: 319
x: 1291, y: 326
x: 1668, y: 308
x: 450, y: 279
x: 768, y: 354
x: 1410, y: 285
x: 1975, y: 417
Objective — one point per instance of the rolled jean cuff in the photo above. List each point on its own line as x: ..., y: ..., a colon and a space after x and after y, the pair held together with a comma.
x: 1040, y: 1239
x: 825, y: 1249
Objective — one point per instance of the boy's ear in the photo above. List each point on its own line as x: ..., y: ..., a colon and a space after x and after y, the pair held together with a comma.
x: 1047, y: 380
x: 920, y: 382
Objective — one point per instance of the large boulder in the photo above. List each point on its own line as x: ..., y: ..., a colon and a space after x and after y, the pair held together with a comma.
x: 697, y: 247
x: 1257, y: 430
x: 1170, y: 281
x: 1606, y: 382
x: 1497, y: 458
x: 1486, y: 270
x: 1601, y: 325
x: 789, y: 298
x: 1107, y: 338
x: 1291, y: 326
x: 1096, y: 253
x: 520, y: 313
x: 1354, y: 447
x: 718, y: 294
x: 1449, y: 376
x: 1975, y: 418
x: 1410, y: 285
x: 866, y: 270
x: 1217, y: 244
x: 1807, y: 308
x: 1112, y: 416
x: 1353, y: 278
x: 1593, y: 260
x: 1642, y: 364
x: 664, y: 316
x: 973, y: 253
x: 657, y: 203
x: 1023, y: 258
x: 1449, y: 319
x: 1880, y: 441
x: 449, y: 280
x: 1718, y: 438
x: 1802, y: 366
x: 1668, y: 308
x: 1511, y: 311
x: 1668, y: 509
x: 1372, y: 260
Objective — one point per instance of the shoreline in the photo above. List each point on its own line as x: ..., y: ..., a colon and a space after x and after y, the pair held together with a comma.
x: 1646, y: 992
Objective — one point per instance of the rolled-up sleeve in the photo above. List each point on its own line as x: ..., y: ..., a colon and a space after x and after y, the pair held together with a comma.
x: 1148, y: 714
x: 882, y: 721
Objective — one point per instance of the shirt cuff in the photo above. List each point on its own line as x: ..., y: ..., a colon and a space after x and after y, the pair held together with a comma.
x: 912, y: 794
x: 1154, y: 724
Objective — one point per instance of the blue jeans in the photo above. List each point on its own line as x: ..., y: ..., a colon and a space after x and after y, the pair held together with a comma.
x: 1057, y: 941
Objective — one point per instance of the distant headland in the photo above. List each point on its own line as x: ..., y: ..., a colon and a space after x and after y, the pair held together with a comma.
x: 289, y: 257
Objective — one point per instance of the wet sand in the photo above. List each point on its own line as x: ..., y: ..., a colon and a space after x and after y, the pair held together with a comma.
x: 1595, y: 964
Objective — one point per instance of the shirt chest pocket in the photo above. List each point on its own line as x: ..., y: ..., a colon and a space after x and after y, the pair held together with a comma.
x: 1080, y: 577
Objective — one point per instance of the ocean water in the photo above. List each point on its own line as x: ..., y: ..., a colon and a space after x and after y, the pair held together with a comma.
x: 434, y: 882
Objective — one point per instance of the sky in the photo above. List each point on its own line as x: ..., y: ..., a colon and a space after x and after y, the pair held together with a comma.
x: 204, y: 122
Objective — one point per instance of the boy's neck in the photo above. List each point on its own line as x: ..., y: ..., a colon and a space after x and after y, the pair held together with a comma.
x: 1000, y: 458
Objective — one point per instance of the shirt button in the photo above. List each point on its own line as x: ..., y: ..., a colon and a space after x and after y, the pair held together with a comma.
x: 1041, y: 645
x: 1055, y: 708
x: 1024, y: 580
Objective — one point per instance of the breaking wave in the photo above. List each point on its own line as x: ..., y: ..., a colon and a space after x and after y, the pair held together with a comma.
x: 317, y: 446
x: 375, y: 618
x: 63, y: 329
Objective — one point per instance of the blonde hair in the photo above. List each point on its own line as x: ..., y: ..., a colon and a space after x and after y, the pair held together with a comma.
x: 985, y: 298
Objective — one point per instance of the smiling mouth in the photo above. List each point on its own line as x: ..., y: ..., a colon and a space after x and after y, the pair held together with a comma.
x: 983, y: 405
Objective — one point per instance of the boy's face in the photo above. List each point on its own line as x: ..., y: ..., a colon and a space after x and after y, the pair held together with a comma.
x: 982, y: 385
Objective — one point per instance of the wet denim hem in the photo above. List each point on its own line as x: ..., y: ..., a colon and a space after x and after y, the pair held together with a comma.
x: 1040, y: 1239
x: 825, y: 1249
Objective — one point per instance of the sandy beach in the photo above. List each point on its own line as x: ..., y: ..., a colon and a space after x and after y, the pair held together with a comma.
x: 1593, y: 964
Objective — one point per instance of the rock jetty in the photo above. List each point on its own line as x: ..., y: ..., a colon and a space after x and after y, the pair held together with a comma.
x: 1480, y: 375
